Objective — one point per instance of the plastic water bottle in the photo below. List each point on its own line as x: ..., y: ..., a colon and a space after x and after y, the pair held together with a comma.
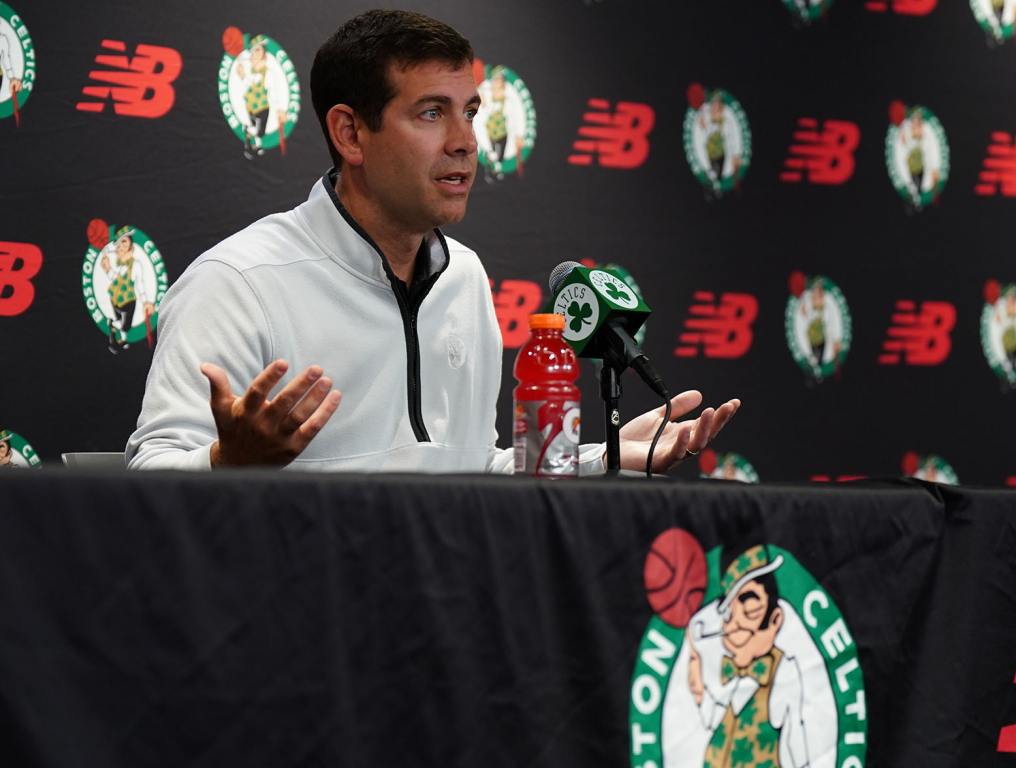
x: 547, y: 416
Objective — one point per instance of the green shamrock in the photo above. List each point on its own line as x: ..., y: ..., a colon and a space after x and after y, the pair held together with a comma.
x: 616, y: 293
x: 744, y: 752
x: 579, y: 315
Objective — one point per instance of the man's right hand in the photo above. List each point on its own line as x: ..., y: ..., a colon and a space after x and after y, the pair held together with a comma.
x: 254, y: 429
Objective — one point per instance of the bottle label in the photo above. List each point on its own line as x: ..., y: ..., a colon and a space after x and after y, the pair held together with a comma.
x: 547, y: 437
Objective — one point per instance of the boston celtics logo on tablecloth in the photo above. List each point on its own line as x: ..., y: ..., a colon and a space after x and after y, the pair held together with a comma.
x: 123, y: 279
x: 747, y: 663
x: 726, y: 466
x: 17, y: 64
x: 998, y: 330
x: 930, y: 467
x: 717, y: 139
x: 817, y: 325
x: 996, y: 18
x: 505, y: 124
x: 807, y: 11
x: 916, y: 154
x: 259, y: 91
x: 15, y: 452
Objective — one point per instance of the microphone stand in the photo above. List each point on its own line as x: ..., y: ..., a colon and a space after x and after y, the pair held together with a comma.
x: 610, y: 390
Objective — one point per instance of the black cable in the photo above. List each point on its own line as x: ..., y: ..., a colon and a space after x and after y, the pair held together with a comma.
x: 656, y: 438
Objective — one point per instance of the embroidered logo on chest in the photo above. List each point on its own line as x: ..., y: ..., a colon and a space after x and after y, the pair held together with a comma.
x: 456, y: 351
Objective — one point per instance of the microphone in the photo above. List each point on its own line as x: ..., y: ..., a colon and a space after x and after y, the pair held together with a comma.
x: 601, y: 315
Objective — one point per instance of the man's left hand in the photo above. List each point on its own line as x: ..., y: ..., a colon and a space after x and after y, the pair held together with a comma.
x: 680, y: 439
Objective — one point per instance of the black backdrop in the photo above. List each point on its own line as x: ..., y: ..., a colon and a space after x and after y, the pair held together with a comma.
x: 182, y: 179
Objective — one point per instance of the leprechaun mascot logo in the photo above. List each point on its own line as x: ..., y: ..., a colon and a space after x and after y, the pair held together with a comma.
x: 15, y: 452
x: 505, y: 124
x: 998, y: 330
x: 817, y: 324
x: 916, y: 154
x: 717, y: 139
x: 807, y: 11
x: 930, y: 467
x: 996, y: 18
x: 726, y: 466
x: 259, y: 91
x: 17, y: 64
x: 746, y: 663
x: 123, y: 279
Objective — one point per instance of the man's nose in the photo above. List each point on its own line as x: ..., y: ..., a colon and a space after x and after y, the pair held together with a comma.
x: 462, y: 138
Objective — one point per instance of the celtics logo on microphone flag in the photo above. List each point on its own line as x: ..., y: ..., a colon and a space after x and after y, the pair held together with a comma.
x: 123, y: 280
x: 916, y: 154
x: 996, y: 18
x: 817, y: 325
x: 930, y: 467
x: 807, y: 11
x: 259, y: 91
x: 717, y: 139
x: 15, y: 452
x: 505, y: 124
x: 17, y: 64
x: 998, y: 330
x: 747, y: 661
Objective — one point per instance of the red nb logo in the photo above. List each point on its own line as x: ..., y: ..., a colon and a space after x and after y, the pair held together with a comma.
x: 140, y: 86
x: 999, y: 172
x: 919, y: 336
x: 514, y: 302
x: 618, y: 139
x: 903, y: 7
x: 721, y: 330
x: 1007, y: 736
x: 19, y: 263
x: 826, y: 155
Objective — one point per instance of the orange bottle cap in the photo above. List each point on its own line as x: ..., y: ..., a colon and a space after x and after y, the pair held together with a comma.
x: 552, y: 320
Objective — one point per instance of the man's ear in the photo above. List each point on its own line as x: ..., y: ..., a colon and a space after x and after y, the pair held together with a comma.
x: 776, y: 619
x: 344, y: 127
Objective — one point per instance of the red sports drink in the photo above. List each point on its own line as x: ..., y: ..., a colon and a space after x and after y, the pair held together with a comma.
x: 547, y: 402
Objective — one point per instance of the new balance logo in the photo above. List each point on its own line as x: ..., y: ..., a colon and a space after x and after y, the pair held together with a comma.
x: 139, y: 85
x: 902, y: 7
x: 824, y: 155
x: 19, y: 263
x: 919, y: 335
x: 616, y: 138
x: 998, y: 175
x: 718, y: 329
x: 1007, y: 736
x: 514, y: 302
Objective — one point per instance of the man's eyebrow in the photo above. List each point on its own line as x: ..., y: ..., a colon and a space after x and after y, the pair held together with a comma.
x: 439, y: 98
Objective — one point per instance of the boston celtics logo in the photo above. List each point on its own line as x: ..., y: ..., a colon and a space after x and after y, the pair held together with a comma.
x: 259, y: 91
x: 123, y: 279
x: 629, y: 281
x: 717, y: 139
x: 807, y: 11
x: 613, y: 289
x: 930, y: 467
x: 726, y: 466
x: 505, y: 124
x: 817, y: 324
x: 15, y: 452
x: 998, y: 330
x: 17, y: 64
x: 996, y: 18
x: 747, y: 663
x: 580, y: 308
x: 916, y: 154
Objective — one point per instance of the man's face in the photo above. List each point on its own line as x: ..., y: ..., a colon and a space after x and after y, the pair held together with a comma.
x: 917, y: 125
x: 743, y: 637
x: 124, y: 248
x: 257, y: 55
x: 420, y: 165
x: 716, y: 109
x: 5, y: 452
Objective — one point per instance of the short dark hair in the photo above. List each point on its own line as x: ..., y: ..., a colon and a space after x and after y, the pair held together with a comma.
x: 767, y: 581
x: 352, y: 66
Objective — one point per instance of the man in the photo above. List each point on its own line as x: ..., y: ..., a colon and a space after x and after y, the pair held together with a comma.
x: 257, y: 98
x: 748, y: 690
x: 358, y: 288
x: 127, y: 286
x: 6, y: 452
